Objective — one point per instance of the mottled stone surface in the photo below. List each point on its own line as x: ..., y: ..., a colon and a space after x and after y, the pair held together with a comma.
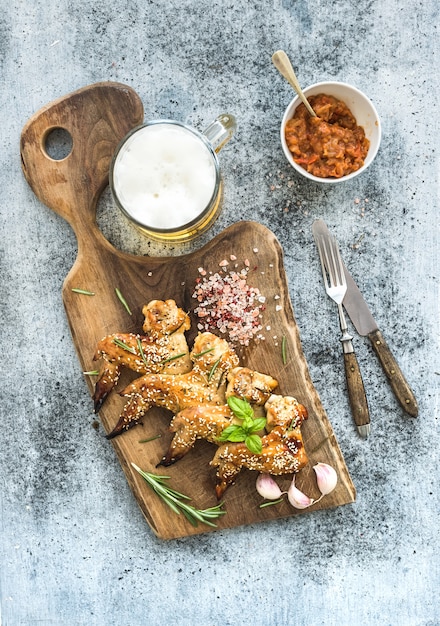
x: 74, y: 548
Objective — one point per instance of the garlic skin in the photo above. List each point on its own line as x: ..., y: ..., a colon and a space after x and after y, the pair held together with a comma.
x: 297, y: 498
x: 267, y: 487
x: 326, y: 478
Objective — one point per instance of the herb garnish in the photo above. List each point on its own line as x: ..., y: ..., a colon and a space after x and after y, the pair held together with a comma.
x: 84, y: 292
x: 247, y: 430
x: 124, y: 346
x: 91, y: 373
x: 284, y: 350
x: 213, y: 368
x: 123, y: 300
x: 174, y: 500
x: 199, y: 354
x: 141, y: 352
x: 270, y: 503
x: 150, y: 438
x: 173, y: 358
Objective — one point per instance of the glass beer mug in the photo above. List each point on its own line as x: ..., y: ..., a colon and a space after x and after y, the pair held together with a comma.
x: 165, y: 177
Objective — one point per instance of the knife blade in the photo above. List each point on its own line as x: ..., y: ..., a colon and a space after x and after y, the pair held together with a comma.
x: 366, y: 325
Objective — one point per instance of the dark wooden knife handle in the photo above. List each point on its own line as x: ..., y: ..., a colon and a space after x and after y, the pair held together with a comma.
x: 356, y: 391
x: 397, y: 381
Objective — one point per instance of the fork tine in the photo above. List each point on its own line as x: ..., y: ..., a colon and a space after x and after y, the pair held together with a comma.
x: 341, y: 267
x: 331, y: 260
x: 339, y: 275
x: 334, y: 263
x: 320, y: 243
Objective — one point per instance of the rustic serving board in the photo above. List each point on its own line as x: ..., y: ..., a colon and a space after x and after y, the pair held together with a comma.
x: 98, y: 117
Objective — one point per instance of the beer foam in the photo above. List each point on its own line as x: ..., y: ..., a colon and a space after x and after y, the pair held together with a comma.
x: 164, y: 176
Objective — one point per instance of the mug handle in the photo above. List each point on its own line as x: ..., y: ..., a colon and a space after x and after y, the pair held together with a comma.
x: 220, y: 131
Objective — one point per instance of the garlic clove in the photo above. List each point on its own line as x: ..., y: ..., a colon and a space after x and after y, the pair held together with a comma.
x: 326, y: 478
x: 297, y: 498
x: 267, y: 487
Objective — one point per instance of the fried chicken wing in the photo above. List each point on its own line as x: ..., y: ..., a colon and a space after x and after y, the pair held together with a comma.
x: 255, y: 387
x: 283, y: 450
x: 196, y: 422
x: 212, y: 358
x: 156, y: 351
x: 208, y: 422
x: 283, y: 453
x: 284, y: 411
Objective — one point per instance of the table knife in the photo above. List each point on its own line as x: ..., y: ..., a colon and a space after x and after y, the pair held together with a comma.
x: 335, y: 286
x: 366, y: 325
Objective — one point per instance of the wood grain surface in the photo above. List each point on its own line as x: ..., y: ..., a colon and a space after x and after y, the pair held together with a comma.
x: 98, y: 117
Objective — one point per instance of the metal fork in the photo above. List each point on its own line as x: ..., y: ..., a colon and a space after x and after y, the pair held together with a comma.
x: 336, y: 286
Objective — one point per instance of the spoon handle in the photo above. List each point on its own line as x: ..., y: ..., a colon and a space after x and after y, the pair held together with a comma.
x: 284, y: 66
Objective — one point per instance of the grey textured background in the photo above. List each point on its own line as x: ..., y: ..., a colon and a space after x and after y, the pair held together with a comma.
x: 74, y: 548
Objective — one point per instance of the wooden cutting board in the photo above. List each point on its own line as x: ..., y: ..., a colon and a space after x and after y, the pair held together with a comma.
x: 97, y: 118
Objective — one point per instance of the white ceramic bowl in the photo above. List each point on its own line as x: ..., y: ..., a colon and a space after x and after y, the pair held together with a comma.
x: 362, y: 109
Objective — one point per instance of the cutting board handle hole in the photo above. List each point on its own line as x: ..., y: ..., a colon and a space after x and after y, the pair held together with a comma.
x: 58, y: 144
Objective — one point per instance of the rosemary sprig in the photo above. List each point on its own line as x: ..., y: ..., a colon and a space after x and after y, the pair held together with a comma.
x: 284, y: 350
x: 213, y: 368
x: 265, y: 504
x: 150, y: 439
x: 123, y: 300
x: 84, y: 292
x: 174, y: 500
x: 199, y: 354
x: 141, y: 352
x: 124, y: 346
x: 173, y: 358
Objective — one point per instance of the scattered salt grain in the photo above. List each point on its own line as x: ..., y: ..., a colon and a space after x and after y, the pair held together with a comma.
x: 229, y: 305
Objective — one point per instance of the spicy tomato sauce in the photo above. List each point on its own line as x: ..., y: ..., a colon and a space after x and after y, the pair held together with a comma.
x: 331, y: 145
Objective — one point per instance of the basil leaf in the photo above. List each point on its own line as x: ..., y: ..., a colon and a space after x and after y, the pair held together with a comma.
x: 238, y: 434
x: 241, y: 408
x: 254, y: 444
x: 226, y: 432
x: 248, y: 423
x: 258, y: 424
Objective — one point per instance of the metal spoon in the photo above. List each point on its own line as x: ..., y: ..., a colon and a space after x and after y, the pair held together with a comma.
x: 284, y: 66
